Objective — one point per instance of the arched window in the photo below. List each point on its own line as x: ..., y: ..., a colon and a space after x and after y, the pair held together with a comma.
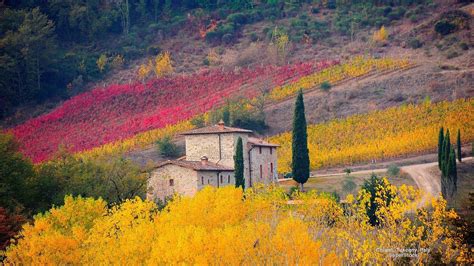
x: 202, y: 180
x: 171, y: 182
x: 261, y: 171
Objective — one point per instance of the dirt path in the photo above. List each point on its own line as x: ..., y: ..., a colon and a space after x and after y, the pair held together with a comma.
x: 425, y: 179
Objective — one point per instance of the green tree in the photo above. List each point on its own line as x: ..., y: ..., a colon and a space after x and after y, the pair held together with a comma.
x: 113, y: 179
x: 453, y: 172
x: 449, y: 178
x: 440, y: 147
x: 376, y: 187
x: 446, y: 151
x: 166, y: 147
x: 226, y: 115
x: 26, y: 53
x: 300, y: 153
x: 15, y: 173
x: 458, y: 145
x: 239, y: 164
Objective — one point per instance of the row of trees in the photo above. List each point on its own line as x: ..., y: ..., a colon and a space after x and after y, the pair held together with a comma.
x: 27, y: 189
x: 447, y: 155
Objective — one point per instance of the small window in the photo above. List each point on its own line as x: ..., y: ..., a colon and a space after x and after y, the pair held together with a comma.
x: 202, y: 180
x: 261, y: 171
x: 271, y: 168
x: 171, y: 182
x: 271, y: 150
x: 208, y: 181
x: 221, y: 180
x: 260, y: 149
x: 228, y: 179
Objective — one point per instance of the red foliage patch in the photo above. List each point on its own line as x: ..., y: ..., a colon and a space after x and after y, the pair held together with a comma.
x: 117, y: 112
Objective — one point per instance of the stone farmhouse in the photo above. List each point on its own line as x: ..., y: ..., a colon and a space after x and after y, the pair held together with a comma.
x: 209, y: 160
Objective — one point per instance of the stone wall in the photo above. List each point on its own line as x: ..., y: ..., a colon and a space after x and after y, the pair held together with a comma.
x: 210, y: 178
x: 267, y: 159
x: 208, y: 145
x: 185, y: 182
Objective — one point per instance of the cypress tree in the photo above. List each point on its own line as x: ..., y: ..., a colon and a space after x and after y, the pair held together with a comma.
x: 446, y: 151
x: 458, y: 145
x: 239, y: 164
x: 451, y: 172
x: 226, y: 115
x: 300, y: 154
x: 454, y: 173
x: 440, y: 146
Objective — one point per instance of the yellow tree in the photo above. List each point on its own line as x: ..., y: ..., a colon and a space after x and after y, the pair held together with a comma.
x: 143, y: 71
x: 118, y: 61
x: 163, y: 64
x: 102, y: 62
x: 381, y: 35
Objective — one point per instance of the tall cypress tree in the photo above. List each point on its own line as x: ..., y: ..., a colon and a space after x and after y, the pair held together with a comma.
x: 446, y: 151
x: 239, y: 164
x: 458, y: 145
x: 451, y: 172
x: 440, y: 146
x: 300, y: 153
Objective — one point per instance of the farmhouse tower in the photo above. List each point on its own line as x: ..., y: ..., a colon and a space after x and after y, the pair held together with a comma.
x: 209, y: 160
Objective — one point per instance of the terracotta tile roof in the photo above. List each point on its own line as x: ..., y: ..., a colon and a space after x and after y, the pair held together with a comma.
x: 196, y: 165
x: 261, y: 142
x: 215, y: 130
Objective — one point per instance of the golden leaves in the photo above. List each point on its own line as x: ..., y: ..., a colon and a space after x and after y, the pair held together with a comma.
x: 227, y: 226
x: 380, y: 134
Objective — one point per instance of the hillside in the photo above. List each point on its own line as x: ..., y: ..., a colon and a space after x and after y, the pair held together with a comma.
x: 319, y: 132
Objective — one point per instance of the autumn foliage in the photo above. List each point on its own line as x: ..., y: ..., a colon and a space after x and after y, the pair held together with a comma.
x: 10, y: 225
x: 119, y: 112
x: 221, y: 226
x: 381, y: 134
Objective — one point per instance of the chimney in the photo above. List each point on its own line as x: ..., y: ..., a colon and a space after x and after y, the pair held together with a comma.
x: 204, y: 160
x: 221, y: 124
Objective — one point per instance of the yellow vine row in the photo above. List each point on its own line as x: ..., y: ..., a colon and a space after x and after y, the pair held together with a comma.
x: 381, y: 134
x: 357, y: 67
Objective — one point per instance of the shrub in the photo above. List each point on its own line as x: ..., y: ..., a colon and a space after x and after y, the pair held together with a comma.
x: 349, y: 186
x: 444, y: 27
x: 198, y: 121
x: 153, y: 50
x: 452, y: 54
x: 414, y: 43
x: 464, y: 46
x: 237, y: 18
x: 331, y: 4
x: 253, y: 36
x: 397, y: 13
x: 254, y: 16
x: 325, y: 86
x: 227, y: 38
x: 166, y: 147
x: 348, y: 171
x: 393, y: 170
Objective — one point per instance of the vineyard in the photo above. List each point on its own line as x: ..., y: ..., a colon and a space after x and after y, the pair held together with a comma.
x: 118, y: 112
x: 120, y: 118
x: 357, y: 67
x: 381, y: 134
